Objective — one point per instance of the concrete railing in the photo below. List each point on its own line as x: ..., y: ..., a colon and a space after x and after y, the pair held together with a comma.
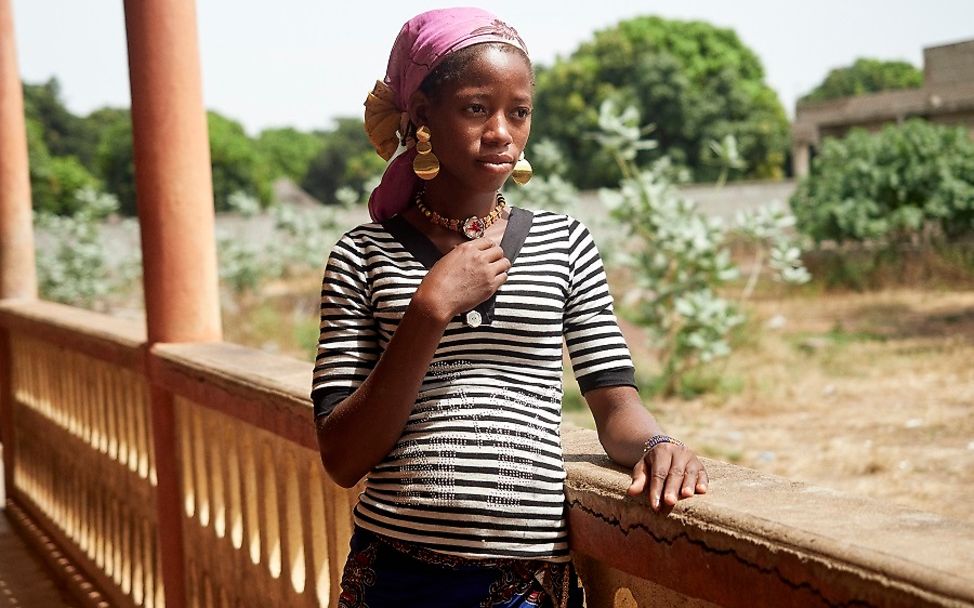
x: 263, y: 526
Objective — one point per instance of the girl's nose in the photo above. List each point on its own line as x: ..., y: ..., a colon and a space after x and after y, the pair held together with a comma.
x: 497, y: 130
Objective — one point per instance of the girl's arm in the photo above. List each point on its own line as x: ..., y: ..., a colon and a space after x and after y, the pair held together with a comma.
x: 365, y: 426
x: 624, y: 425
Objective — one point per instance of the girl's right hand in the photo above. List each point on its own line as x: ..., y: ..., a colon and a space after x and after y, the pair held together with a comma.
x: 463, y: 278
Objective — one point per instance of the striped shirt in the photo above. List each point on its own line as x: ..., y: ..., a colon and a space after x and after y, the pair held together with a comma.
x: 478, y: 470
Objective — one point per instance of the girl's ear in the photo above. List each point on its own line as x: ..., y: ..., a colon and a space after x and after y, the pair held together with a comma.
x: 419, y: 109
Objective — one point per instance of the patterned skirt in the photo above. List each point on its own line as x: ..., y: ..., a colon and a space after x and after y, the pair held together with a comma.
x: 383, y: 572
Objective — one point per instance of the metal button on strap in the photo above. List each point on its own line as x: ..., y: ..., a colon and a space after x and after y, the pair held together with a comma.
x: 474, y: 319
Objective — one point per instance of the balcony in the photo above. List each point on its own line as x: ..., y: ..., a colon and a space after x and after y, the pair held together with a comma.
x: 261, y: 524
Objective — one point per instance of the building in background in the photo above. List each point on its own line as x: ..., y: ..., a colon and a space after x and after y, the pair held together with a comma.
x: 947, y: 96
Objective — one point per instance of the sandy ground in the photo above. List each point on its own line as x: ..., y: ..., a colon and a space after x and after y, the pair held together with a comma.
x: 871, y: 394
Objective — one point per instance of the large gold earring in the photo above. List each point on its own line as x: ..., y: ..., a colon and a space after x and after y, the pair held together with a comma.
x: 425, y: 165
x: 522, y: 171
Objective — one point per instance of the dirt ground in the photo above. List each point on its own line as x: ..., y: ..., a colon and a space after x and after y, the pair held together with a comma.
x: 870, y: 394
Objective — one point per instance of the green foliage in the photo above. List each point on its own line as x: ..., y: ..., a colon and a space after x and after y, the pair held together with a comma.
x: 908, y: 183
x: 73, y: 267
x: 64, y: 134
x: 697, y: 83
x: 115, y: 160
x: 236, y: 163
x: 60, y: 150
x: 288, y: 151
x: 297, y: 243
x: 682, y: 258
x: 346, y: 159
x: 866, y: 76
x: 58, y: 190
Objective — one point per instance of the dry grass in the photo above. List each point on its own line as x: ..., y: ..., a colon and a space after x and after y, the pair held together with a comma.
x: 866, y: 393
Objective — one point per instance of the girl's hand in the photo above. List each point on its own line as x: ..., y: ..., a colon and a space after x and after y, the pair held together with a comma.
x: 674, y: 472
x: 464, y: 278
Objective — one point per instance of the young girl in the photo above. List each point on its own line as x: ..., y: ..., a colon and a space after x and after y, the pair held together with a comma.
x: 439, y: 366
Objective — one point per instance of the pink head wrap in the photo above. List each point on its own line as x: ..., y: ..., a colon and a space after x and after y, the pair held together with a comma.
x: 424, y: 41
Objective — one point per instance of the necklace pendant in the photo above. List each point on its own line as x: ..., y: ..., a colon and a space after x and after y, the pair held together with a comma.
x: 474, y: 227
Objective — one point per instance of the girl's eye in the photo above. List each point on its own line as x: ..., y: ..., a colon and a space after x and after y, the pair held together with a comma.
x: 522, y: 113
x: 476, y: 108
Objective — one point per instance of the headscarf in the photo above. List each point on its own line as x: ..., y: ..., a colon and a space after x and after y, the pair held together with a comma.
x: 423, y: 42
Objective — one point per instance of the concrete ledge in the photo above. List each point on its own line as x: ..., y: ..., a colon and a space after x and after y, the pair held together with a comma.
x: 268, y: 391
x: 117, y: 341
x: 761, y: 540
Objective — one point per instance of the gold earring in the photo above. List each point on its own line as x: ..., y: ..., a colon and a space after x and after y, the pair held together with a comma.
x: 425, y: 165
x: 522, y: 171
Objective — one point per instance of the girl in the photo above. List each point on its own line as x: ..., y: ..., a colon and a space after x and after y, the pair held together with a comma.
x: 439, y: 365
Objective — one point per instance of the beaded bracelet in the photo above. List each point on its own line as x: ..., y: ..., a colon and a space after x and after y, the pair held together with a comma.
x: 655, y: 440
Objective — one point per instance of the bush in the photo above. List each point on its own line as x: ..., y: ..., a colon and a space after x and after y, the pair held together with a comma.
x: 908, y: 183
x: 866, y: 76
x: 683, y: 258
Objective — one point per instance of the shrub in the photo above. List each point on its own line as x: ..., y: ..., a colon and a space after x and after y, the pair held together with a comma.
x: 908, y: 183
x: 682, y: 257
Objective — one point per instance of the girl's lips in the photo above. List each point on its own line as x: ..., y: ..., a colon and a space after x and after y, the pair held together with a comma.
x: 496, y: 166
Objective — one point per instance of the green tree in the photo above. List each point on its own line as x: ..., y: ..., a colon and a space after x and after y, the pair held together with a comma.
x: 347, y: 159
x: 866, y: 76
x: 695, y: 82
x: 908, y: 182
x: 115, y: 160
x: 64, y: 133
x: 288, y: 151
x: 237, y: 164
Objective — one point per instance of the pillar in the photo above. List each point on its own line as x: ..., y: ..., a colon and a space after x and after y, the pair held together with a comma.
x: 174, y: 194
x: 800, y: 163
x: 18, y: 277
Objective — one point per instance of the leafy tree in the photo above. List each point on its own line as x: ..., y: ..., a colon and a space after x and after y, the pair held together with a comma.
x: 64, y: 133
x: 908, y: 182
x: 866, y: 76
x: 288, y: 151
x: 346, y: 159
x: 237, y: 164
x: 115, y: 160
x: 697, y: 83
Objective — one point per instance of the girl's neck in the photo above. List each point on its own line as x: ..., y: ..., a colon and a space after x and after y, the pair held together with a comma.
x: 451, y: 203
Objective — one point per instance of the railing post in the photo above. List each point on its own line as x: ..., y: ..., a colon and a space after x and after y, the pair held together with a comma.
x: 18, y: 278
x: 175, y: 203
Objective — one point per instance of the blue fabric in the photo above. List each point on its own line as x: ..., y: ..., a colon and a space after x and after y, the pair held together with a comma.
x: 381, y: 573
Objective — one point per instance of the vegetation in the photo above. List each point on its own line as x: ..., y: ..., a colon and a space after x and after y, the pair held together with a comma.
x: 69, y: 154
x: 346, y: 159
x: 683, y: 258
x: 696, y: 82
x: 866, y: 76
x: 73, y: 265
x: 909, y: 183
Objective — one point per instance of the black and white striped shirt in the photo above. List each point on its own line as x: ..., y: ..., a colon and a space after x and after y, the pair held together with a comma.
x: 478, y: 470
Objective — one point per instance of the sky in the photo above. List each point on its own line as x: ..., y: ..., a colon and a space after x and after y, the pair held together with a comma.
x: 302, y: 63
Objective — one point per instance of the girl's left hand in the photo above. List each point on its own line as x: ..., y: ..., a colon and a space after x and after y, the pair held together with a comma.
x: 674, y: 472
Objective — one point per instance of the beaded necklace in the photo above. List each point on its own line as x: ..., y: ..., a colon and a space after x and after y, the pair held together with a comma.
x: 473, y: 227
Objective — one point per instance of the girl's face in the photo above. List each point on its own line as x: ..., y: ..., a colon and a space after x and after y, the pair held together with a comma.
x: 480, y: 122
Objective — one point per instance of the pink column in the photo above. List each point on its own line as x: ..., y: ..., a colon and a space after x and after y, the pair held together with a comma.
x: 173, y: 180
x: 175, y: 202
x: 18, y: 278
